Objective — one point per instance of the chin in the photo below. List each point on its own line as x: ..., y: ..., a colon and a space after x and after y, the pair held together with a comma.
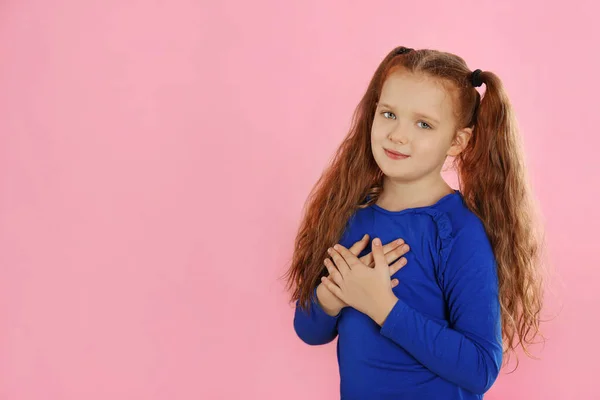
x: 390, y: 172
x: 393, y: 172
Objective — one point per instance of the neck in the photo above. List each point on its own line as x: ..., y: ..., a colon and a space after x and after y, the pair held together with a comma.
x: 397, y: 196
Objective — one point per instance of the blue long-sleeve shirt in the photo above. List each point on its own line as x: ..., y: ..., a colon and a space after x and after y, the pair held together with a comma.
x: 443, y: 338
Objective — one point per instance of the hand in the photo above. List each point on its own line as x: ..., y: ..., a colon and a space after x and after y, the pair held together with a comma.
x: 366, y: 289
x: 331, y: 303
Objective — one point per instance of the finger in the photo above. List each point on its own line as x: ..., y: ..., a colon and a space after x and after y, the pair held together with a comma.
x: 350, y: 258
x: 360, y: 245
x: 330, y: 267
x: 393, y: 245
x: 334, y: 274
x: 339, y: 261
x: 333, y: 288
x: 397, y: 252
x: 367, y: 259
x: 395, y: 267
x: 387, y: 249
x: 395, y: 282
x: 378, y: 256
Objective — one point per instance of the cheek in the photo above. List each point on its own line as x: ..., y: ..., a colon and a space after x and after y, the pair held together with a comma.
x: 431, y: 147
x: 376, y: 143
x: 377, y: 134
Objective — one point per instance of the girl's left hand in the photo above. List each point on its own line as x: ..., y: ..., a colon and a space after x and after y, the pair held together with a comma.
x: 369, y: 290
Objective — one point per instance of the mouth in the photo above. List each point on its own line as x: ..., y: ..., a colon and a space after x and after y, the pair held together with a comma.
x: 395, y: 155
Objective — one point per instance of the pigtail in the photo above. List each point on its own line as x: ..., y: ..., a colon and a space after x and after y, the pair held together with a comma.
x: 496, y: 188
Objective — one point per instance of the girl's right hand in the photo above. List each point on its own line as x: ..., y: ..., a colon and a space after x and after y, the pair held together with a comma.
x: 332, y: 304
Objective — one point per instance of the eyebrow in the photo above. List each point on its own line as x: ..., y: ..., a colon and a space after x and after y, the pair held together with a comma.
x: 425, y: 116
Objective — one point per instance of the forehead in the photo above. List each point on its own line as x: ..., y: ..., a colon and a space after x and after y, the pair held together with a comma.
x: 417, y: 92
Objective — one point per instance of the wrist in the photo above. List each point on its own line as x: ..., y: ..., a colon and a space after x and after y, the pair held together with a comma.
x: 331, y: 311
x: 383, y: 307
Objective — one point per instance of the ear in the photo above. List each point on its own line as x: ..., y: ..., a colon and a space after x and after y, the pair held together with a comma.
x: 460, y: 141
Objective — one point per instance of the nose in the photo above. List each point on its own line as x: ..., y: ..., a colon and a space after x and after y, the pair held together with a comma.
x: 399, y: 134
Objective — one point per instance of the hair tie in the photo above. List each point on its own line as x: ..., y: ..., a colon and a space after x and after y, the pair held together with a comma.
x: 476, y: 78
x: 402, y: 50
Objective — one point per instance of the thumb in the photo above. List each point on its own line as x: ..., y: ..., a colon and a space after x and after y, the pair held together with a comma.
x: 379, y: 256
x: 359, y: 246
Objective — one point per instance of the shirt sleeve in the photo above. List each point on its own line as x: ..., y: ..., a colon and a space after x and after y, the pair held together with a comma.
x: 315, y: 327
x: 468, y: 350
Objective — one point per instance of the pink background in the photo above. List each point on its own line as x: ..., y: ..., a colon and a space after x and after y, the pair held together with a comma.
x: 155, y: 157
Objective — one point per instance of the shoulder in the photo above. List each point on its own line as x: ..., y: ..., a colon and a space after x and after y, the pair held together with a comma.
x: 469, y: 245
x: 466, y: 226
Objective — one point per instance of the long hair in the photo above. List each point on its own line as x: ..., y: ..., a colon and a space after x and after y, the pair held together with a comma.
x: 492, y: 179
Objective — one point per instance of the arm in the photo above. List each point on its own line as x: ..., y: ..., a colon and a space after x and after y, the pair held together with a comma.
x: 468, y: 352
x: 315, y: 328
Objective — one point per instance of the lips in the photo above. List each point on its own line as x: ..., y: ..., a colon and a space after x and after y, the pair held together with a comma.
x: 396, y: 153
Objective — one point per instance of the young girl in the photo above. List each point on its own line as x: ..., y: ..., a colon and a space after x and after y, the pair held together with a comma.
x: 468, y: 291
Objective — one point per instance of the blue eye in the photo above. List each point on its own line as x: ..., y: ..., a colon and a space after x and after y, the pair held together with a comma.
x: 427, y: 126
x: 387, y: 112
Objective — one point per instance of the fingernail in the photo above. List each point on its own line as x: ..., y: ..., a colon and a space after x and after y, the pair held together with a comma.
x: 337, y: 247
x: 377, y: 242
x: 399, y: 241
x: 364, y: 237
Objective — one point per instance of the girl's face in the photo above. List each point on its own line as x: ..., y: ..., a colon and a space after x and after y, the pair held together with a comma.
x: 414, y: 116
